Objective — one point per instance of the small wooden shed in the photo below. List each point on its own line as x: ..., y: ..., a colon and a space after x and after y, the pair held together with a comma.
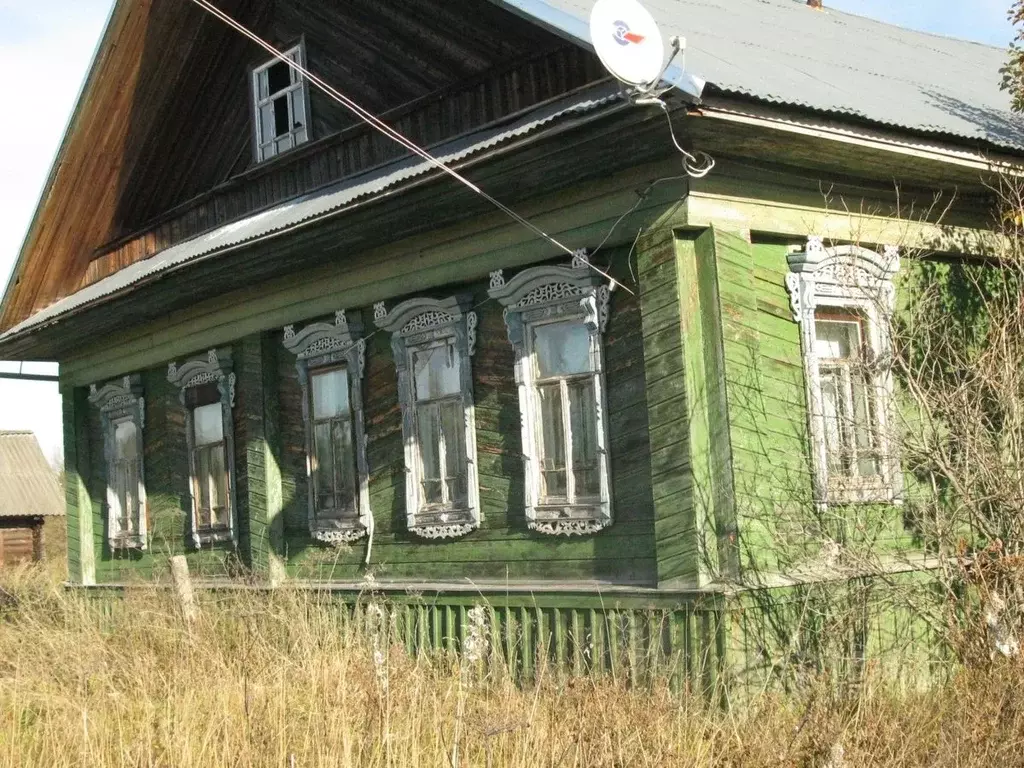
x: 31, y: 504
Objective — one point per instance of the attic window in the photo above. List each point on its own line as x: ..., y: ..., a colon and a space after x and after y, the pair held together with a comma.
x: 281, y: 105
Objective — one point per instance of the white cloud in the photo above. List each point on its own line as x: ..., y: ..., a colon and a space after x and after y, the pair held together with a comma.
x: 49, y: 43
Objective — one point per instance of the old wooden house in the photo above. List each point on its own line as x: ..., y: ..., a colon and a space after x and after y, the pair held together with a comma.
x: 31, y: 507
x: 296, y: 352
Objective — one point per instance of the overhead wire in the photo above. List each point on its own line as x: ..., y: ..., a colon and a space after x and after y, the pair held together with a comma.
x: 689, y: 163
x: 387, y: 130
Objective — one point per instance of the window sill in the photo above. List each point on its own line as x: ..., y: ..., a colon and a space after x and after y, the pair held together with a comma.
x: 863, y: 494
x: 127, y: 542
x: 337, y: 532
x: 444, y: 524
x: 213, y: 536
x: 569, y: 519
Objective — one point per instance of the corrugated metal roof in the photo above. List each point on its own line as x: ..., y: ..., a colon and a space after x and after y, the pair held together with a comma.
x: 783, y: 52
x: 28, y: 484
x: 320, y: 203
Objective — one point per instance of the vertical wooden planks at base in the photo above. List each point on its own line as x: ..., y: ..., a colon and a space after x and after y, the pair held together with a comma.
x: 578, y: 642
x: 526, y: 645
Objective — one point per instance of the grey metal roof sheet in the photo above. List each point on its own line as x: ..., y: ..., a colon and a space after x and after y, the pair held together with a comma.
x: 783, y: 52
x: 28, y: 484
x: 320, y: 203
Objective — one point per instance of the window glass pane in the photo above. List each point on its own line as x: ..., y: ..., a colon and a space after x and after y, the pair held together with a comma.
x: 552, y: 448
x: 219, y: 490
x: 126, y: 487
x: 126, y: 440
x: 453, y: 427
x: 208, y: 424
x: 864, y: 425
x: 330, y: 394
x: 282, y: 118
x: 298, y: 109
x: 429, y: 443
x: 561, y: 349
x: 203, y: 473
x: 323, y: 466
x: 437, y: 372
x: 831, y: 412
x: 836, y: 339
x: 279, y: 76
x: 583, y: 422
x: 344, y: 464
x: 267, y: 131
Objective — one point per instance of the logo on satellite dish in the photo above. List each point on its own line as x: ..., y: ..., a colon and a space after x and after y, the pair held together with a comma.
x: 623, y: 36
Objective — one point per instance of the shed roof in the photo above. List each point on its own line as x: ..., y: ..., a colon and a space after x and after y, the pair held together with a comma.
x: 783, y: 52
x: 28, y: 484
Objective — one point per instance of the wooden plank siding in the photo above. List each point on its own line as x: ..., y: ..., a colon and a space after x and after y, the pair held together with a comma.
x: 767, y: 413
x: 77, y: 471
x: 692, y: 465
x: 406, y: 66
x: 270, y: 455
x: 779, y: 526
x: 503, y: 547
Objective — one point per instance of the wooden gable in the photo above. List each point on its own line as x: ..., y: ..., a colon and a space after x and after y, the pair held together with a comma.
x: 165, y: 115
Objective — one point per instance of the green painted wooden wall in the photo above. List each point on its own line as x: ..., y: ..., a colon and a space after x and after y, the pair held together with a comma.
x: 271, y: 485
x: 779, y: 528
x: 503, y: 548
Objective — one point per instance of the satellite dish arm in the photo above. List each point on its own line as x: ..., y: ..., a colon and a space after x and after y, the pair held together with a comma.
x: 675, y: 75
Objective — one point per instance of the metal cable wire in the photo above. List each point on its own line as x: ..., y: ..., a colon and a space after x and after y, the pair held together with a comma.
x: 387, y: 130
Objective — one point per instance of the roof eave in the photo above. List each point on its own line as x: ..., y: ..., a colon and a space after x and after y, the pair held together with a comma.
x: 118, y: 13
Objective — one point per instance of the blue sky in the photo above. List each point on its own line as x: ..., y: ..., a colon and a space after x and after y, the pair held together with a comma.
x: 54, y: 41
x: 981, y: 20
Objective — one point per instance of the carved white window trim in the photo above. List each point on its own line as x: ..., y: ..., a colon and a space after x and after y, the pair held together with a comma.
x: 118, y: 402
x: 536, y: 296
x: 319, y: 346
x: 414, y: 324
x: 215, y: 368
x: 847, y: 277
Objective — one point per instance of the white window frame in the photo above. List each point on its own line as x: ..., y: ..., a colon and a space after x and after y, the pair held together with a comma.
x: 215, y: 368
x: 859, y: 281
x: 297, y: 94
x: 535, y: 297
x: 119, y: 402
x: 319, y: 347
x: 414, y: 325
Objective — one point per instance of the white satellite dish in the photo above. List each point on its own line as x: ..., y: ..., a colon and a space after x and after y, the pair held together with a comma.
x: 628, y: 41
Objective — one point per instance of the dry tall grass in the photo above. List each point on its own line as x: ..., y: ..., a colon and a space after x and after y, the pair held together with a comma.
x: 277, y: 680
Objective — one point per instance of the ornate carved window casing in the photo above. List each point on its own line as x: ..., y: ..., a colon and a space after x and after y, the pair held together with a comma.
x: 123, y: 417
x: 433, y: 343
x: 331, y: 360
x: 556, y: 318
x: 208, y: 396
x: 843, y: 299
